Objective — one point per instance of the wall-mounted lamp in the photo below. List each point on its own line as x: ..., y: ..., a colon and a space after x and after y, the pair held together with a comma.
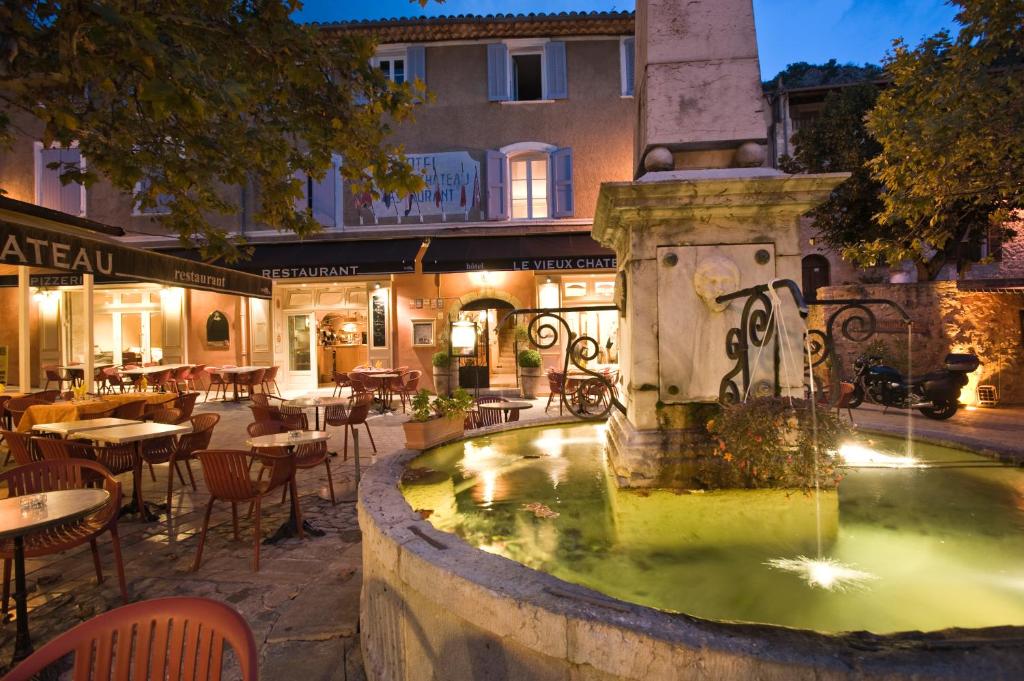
x: 463, y: 338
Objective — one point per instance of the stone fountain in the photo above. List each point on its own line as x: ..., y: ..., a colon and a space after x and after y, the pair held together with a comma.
x: 706, y: 215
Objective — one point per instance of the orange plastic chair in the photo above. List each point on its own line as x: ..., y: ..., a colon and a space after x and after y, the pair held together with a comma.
x: 16, y: 407
x: 184, y: 451
x: 177, y: 639
x: 488, y: 417
x: 186, y: 403
x: 19, y: 446
x: 270, y: 377
x: 131, y: 410
x: 226, y: 472
x: 50, y: 476
x: 340, y: 382
x: 335, y: 415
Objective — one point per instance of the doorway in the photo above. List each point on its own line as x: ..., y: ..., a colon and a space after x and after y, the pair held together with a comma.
x: 495, y: 363
x: 815, y: 275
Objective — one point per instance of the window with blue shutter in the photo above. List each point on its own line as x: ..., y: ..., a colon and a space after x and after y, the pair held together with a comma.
x: 497, y: 186
x: 321, y: 197
x: 561, y: 183
x: 628, y: 66
x: 162, y: 206
x: 497, y: 72
x: 51, y: 192
x: 416, y: 63
x: 555, y: 70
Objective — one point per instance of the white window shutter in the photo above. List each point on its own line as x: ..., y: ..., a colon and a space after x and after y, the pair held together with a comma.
x: 52, y: 194
x: 556, y: 71
x: 561, y: 183
x: 71, y: 193
x: 497, y: 186
x: 628, y: 65
x: 497, y: 72
x: 326, y: 197
x: 416, y: 63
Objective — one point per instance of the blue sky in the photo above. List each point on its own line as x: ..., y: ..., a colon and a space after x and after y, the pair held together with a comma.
x: 855, y: 31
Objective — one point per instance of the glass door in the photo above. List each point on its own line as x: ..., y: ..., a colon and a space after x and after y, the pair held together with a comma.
x: 301, y: 356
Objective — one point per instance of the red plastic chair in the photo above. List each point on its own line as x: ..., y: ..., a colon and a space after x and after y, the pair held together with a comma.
x: 336, y: 415
x: 176, y: 639
x: 19, y: 446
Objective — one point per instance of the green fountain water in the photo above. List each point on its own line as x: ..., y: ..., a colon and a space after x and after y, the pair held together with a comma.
x: 938, y: 541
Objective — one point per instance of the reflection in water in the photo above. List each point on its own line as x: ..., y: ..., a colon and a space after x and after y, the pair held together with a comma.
x: 856, y: 454
x: 945, y: 545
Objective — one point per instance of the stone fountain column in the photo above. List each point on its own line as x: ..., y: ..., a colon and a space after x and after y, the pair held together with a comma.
x: 705, y: 216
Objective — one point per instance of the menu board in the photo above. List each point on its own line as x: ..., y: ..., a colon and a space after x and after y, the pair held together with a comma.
x: 379, y: 322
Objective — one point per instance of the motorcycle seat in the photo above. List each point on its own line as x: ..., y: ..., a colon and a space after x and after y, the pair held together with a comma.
x: 924, y: 378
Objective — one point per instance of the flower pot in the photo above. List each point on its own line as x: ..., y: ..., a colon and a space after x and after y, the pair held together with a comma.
x: 530, y: 378
x: 426, y: 434
x: 442, y: 380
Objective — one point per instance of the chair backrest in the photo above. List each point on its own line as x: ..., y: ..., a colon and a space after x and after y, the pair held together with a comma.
x: 173, y: 638
x: 358, y: 381
x: 256, y: 376
x: 556, y: 380
x: 488, y: 417
x: 181, y: 373
x: 57, y: 449
x: 412, y: 380
x: 166, y: 415
x: 199, y: 438
x: 335, y: 415
x: 360, y: 408
x: 131, y: 410
x: 261, y: 399
x: 204, y: 421
x: 226, y: 472
x: 52, y: 475
x: 20, y: 446
x: 265, y: 413
x: 186, y: 403
x: 105, y: 413
x: 52, y: 373
x: 47, y: 396
x: 16, y: 407
x: 271, y: 374
x: 258, y: 428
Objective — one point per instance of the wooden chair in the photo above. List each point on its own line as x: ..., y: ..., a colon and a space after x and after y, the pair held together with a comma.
x: 292, y: 420
x: 270, y: 378
x: 227, y: 476
x: 184, y: 452
x: 218, y: 384
x: 19, y: 446
x: 336, y: 415
x: 16, y: 407
x: 47, y: 396
x: 114, y: 379
x: 186, y: 403
x: 49, y: 476
x: 340, y: 383
x: 162, y: 381
x: 4, y: 418
x: 55, y: 375
x: 177, y: 639
x: 556, y: 386
x: 168, y: 415
x: 131, y: 410
x: 409, y: 385
x: 487, y: 417
x: 195, y: 377
x: 179, y: 378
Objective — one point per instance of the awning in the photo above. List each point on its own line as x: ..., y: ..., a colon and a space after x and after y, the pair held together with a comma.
x: 536, y: 252
x: 321, y: 258
x: 54, y: 244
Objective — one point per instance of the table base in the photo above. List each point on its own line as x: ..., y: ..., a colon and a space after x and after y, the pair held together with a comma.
x: 151, y: 510
x: 289, y: 529
x: 22, y: 641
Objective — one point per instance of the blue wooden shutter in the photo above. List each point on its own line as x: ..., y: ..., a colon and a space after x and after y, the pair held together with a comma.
x: 416, y: 63
x: 561, y: 183
x: 497, y: 186
x: 326, y: 197
x: 628, y: 65
x: 556, y: 72
x: 497, y: 72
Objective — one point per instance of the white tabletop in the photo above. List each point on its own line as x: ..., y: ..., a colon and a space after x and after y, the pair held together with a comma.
x: 66, y: 427
x: 289, y: 439
x: 307, y: 401
x: 61, y: 506
x: 508, y: 404
x: 134, y: 433
x: 142, y: 371
x: 239, y: 370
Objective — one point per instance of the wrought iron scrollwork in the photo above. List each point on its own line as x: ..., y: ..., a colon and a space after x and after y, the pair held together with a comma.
x: 590, y: 394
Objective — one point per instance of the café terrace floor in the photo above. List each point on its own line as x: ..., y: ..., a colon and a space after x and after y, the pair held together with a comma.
x: 303, y: 604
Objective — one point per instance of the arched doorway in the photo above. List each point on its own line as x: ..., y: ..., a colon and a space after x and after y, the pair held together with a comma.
x: 495, y: 363
x: 816, y: 273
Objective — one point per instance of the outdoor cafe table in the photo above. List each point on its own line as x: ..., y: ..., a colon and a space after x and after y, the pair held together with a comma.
x: 136, y: 434
x: 234, y: 373
x: 74, y: 411
x: 313, y: 402
x: 155, y: 369
x: 61, y: 506
x: 383, y: 381
x: 288, y: 442
x: 506, y: 406
x: 66, y: 428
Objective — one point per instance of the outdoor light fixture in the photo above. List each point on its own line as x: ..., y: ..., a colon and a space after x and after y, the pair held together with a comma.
x: 463, y: 338
x: 376, y: 286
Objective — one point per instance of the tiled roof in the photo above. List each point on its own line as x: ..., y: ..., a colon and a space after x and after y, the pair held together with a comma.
x: 490, y: 26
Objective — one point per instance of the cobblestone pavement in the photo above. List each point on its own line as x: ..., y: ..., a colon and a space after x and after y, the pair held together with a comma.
x: 998, y: 432
x: 303, y: 604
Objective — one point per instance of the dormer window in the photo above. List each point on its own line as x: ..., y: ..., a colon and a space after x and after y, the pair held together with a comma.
x: 393, y: 67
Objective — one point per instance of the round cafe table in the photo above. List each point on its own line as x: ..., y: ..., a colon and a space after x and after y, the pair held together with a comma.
x: 507, y: 407
x: 383, y: 380
x: 62, y: 506
x: 313, y: 402
x: 288, y: 442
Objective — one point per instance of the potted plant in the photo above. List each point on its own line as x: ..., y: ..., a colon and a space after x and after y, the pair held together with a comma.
x: 442, y: 362
x: 530, y: 372
x: 436, y: 421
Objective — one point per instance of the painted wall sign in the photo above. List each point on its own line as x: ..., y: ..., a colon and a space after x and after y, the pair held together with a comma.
x: 453, y: 189
x: 217, y: 329
x: 73, y: 252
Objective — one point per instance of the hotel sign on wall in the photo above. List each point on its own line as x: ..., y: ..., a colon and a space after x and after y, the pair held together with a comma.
x: 453, y: 190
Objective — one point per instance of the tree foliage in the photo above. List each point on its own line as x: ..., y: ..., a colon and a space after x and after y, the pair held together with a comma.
x: 951, y: 131
x: 196, y: 98
x: 802, y: 74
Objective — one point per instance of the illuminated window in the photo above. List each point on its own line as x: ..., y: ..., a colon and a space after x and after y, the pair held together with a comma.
x: 529, y: 175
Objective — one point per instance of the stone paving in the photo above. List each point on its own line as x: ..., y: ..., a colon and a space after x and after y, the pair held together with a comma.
x: 303, y: 604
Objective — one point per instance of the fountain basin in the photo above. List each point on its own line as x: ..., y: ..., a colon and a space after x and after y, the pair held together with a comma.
x: 435, y: 607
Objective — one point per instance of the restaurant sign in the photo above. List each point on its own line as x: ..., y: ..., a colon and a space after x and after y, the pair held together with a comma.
x: 77, y: 253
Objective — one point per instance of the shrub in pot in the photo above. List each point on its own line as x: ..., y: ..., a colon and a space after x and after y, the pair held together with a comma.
x: 442, y: 363
x: 530, y: 372
x: 436, y: 421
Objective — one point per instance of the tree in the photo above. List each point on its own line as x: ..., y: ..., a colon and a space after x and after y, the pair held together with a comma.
x: 951, y: 131
x: 801, y: 74
x: 192, y: 97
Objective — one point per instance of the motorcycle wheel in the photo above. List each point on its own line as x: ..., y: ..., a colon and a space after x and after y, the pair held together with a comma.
x: 941, y: 411
x: 856, y: 397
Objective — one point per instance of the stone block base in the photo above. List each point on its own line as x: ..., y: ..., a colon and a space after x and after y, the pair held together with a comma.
x: 663, y: 457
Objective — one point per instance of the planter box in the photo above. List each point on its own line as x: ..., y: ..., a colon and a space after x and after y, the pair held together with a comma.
x: 426, y: 434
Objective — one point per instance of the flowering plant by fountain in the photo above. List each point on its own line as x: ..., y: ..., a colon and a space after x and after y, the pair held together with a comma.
x: 772, y: 442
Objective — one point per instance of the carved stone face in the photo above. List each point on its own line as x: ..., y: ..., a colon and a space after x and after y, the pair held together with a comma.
x: 716, y: 275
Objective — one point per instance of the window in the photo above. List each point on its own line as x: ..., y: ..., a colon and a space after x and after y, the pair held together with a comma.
x: 50, y: 164
x: 526, y: 71
x: 529, y: 176
x: 162, y: 206
x: 322, y: 197
x: 393, y: 67
x: 627, y: 62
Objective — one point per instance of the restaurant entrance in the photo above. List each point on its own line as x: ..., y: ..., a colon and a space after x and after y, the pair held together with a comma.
x: 495, y: 363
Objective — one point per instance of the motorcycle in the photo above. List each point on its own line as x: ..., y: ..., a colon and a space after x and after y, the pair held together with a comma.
x: 934, y: 394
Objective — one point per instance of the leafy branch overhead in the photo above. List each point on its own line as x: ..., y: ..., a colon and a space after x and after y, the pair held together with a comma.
x: 195, y: 99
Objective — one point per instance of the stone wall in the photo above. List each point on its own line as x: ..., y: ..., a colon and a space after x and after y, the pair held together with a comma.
x: 944, y: 320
